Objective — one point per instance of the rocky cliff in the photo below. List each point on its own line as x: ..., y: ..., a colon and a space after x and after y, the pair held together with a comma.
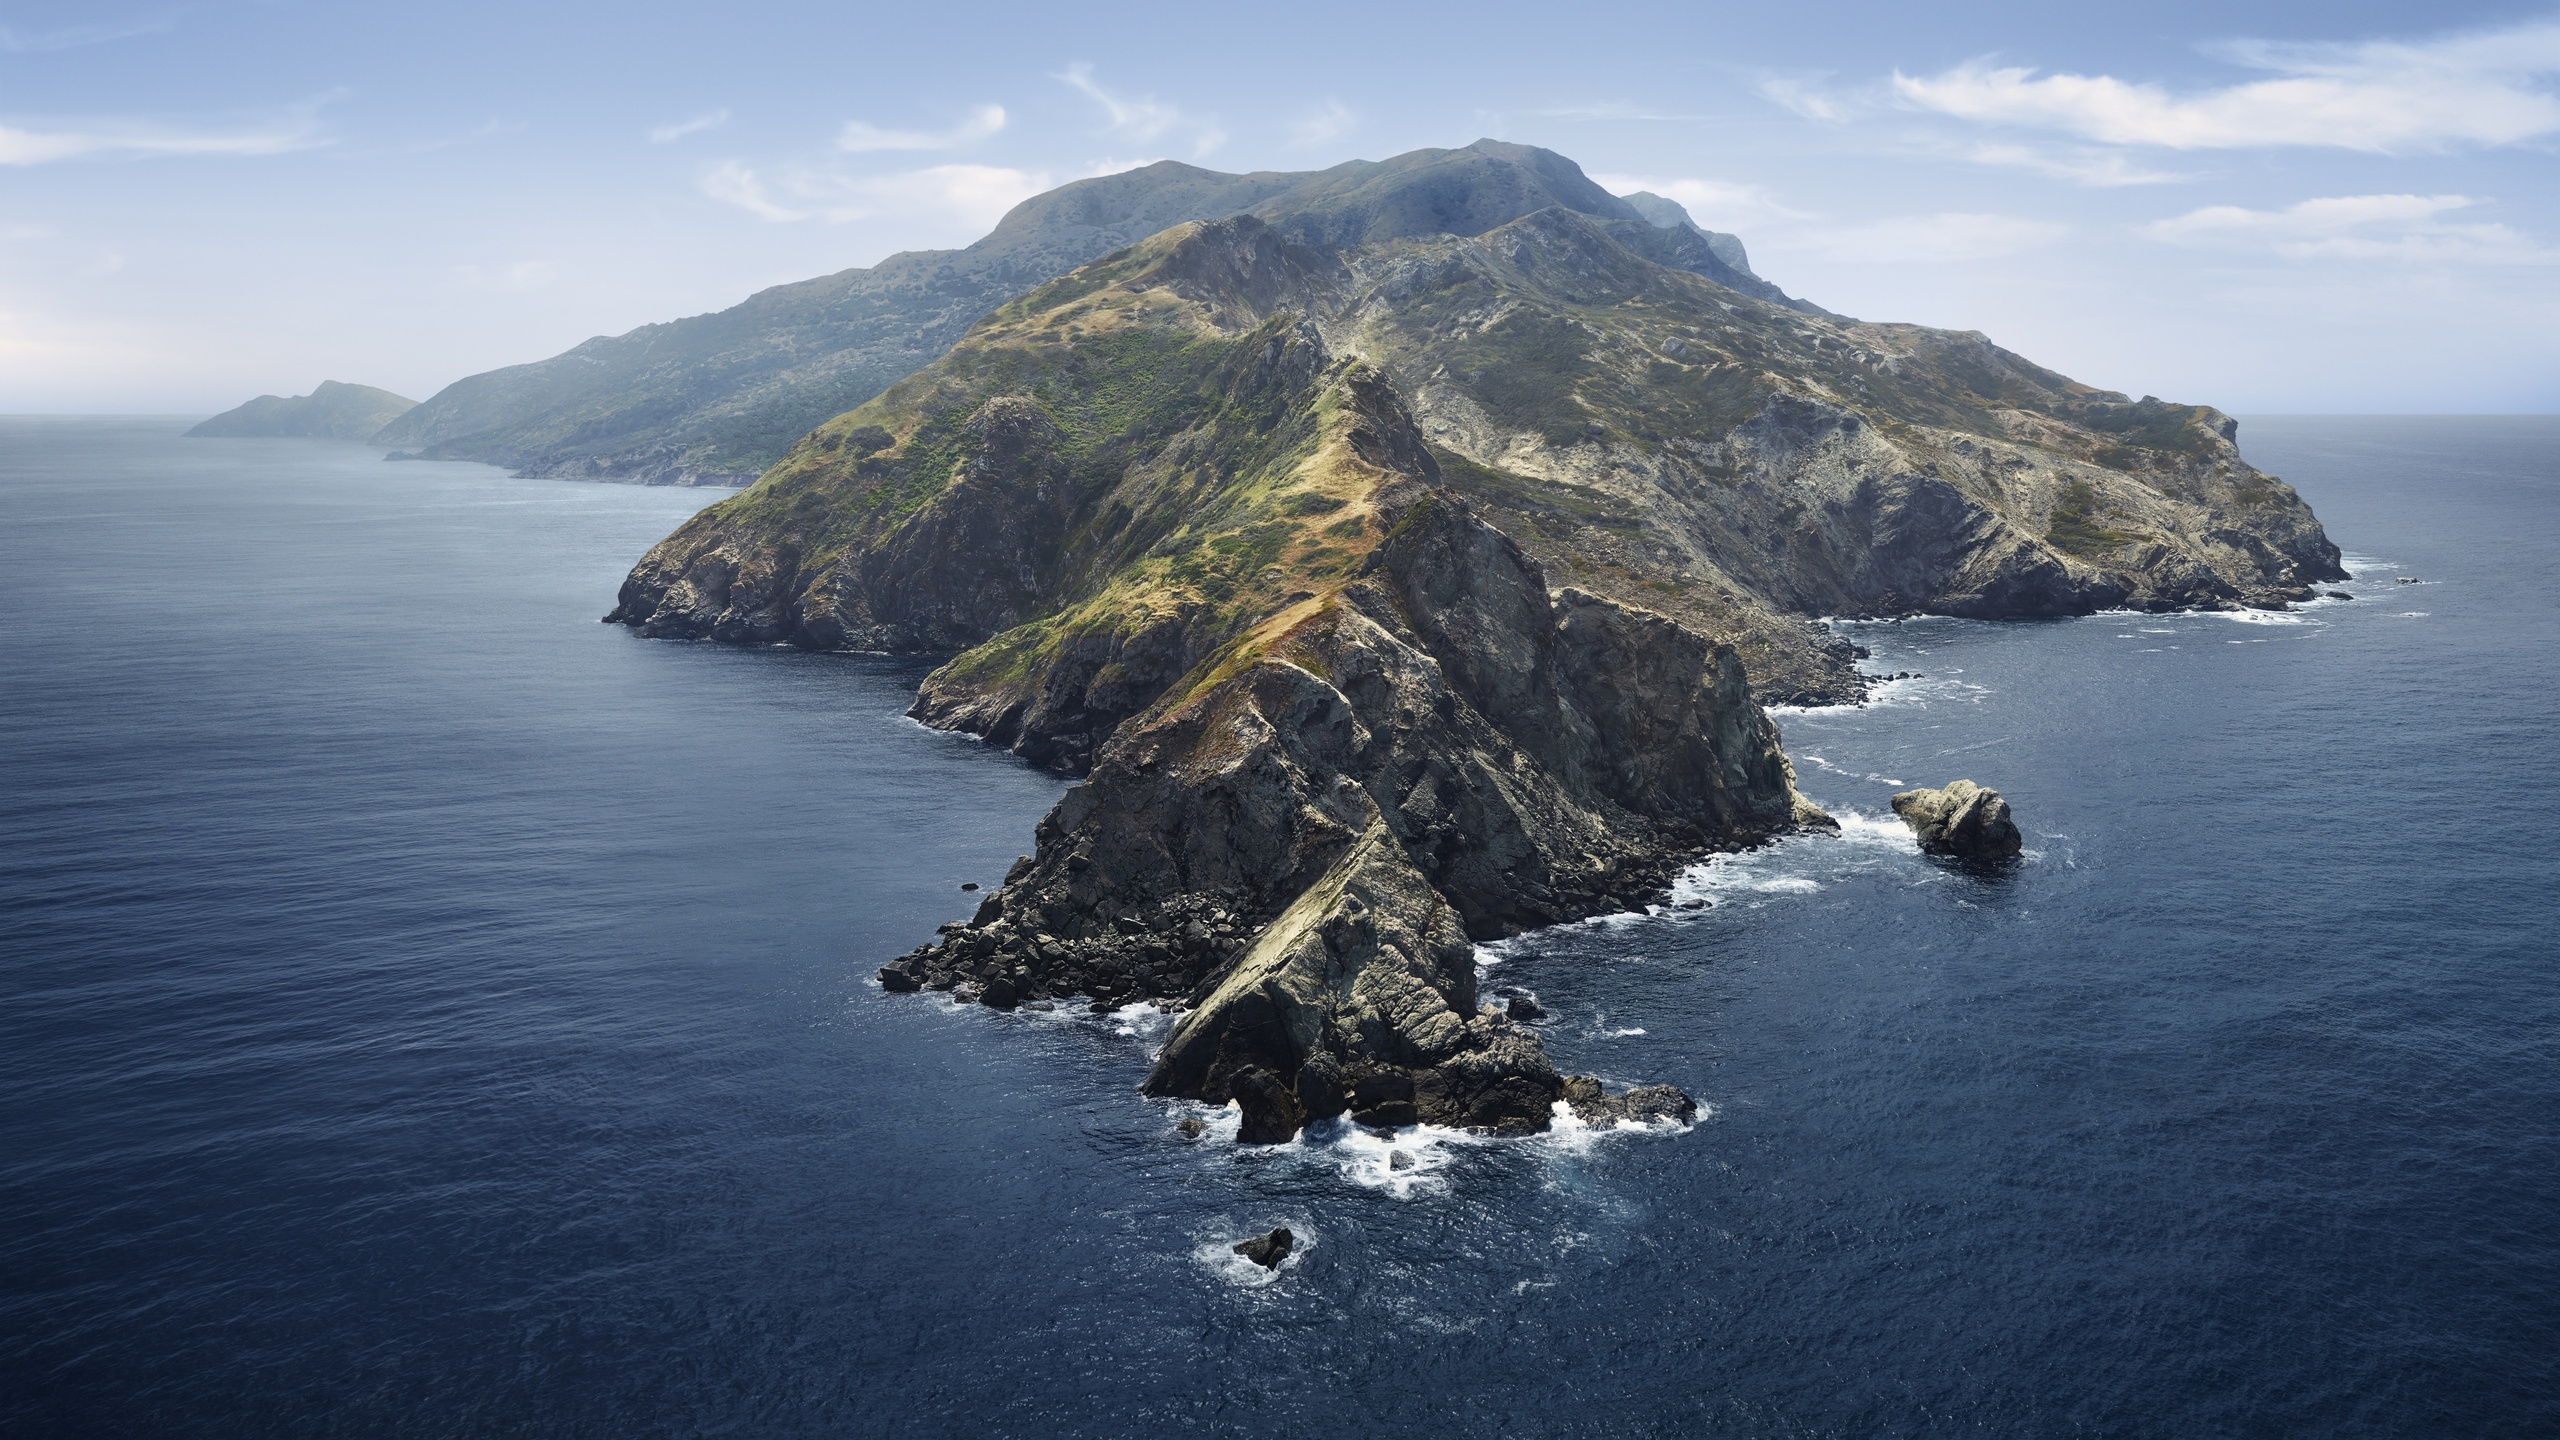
x: 334, y: 411
x: 1398, y: 593
x: 1336, y: 724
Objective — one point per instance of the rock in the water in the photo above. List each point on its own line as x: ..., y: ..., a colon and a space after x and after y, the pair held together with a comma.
x: 1524, y: 1009
x: 999, y: 994
x: 2337, y: 594
x: 1644, y: 1104
x: 1191, y: 1127
x: 1398, y: 1160
x: 1963, y: 820
x: 1271, y: 1113
x: 1269, y: 1250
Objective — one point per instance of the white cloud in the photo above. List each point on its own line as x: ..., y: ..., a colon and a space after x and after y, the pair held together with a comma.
x: 1139, y: 119
x: 1142, y: 117
x: 1325, y: 126
x: 1804, y: 96
x: 1943, y: 238
x: 1714, y: 204
x: 2406, y: 228
x: 2102, y: 168
x: 736, y: 184
x: 2491, y: 88
x: 707, y: 120
x: 984, y: 121
x: 296, y: 129
x: 970, y: 194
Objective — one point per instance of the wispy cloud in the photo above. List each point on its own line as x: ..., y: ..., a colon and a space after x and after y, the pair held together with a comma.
x: 2099, y: 168
x: 984, y: 121
x: 1325, y: 126
x: 1712, y: 203
x: 2484, y: 88
x: 735, y: 184
x: 670, y: 133
x: 1142, y: 117
x: 1944, y: 238
x: 971, y: 194
x: 1805, y: 95
x: 41, y: 143
x: 2357, y: 227
x: 22, y: 42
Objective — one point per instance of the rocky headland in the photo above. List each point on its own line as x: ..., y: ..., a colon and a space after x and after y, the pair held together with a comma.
x: 1395, y: 591
x: 334, y: 411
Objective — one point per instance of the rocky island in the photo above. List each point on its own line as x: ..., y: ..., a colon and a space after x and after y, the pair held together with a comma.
x: 334, y: 411
x: 1407, y: 564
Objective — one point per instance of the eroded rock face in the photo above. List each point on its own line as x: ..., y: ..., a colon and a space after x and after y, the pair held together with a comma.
x: 1306, y: 844
x: 1963, y: 820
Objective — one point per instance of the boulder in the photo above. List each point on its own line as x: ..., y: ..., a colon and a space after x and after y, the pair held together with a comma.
x: 1269, y: 1250
x: 1271, y: 1113
x: 1644, y: 1104
x: 1963, y: 820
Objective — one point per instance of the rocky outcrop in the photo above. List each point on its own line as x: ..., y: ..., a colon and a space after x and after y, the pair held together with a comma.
x: 1962, y: 820
x: 1349, y: 699
x: 1269, y: 1250
x: 1303, y: 845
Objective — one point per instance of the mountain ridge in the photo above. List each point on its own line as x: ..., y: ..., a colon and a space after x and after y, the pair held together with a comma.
x: 1418, y: 591
x: 713, y: 399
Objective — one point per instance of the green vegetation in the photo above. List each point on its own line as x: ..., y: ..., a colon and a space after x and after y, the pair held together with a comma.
x: 2076, y: 529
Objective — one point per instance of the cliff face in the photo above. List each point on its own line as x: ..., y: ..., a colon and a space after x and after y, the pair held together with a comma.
x: 1374, y: 587
x: 334, y: 411
x: 1647, y: 434
x: 1336, y: 724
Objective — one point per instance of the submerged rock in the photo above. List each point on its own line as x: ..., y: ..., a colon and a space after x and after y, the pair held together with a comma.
x: 1963, y: 820
x: 1269, y: 1250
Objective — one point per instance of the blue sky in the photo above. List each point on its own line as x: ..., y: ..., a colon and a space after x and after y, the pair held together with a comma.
x: 2337, y: 207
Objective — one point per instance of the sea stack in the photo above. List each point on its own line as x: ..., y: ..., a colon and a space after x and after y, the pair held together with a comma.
x: 1963, y: 820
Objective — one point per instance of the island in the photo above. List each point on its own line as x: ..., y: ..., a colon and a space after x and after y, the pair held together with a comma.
x: 1410, y: 563
x: 334, y: 411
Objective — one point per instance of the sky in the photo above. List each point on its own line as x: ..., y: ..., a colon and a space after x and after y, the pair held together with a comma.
x: 2338, y: 207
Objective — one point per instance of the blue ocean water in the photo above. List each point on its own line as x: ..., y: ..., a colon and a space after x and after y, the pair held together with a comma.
x: 425, y: 1010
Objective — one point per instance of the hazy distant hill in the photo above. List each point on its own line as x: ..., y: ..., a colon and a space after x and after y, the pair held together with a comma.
x: 335, y: 411
x: 716, y: 398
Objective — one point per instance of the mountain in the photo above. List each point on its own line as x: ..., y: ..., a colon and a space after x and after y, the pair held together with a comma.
x: 1397, y: 587
x: 714, y: 399
x: 336, y: 411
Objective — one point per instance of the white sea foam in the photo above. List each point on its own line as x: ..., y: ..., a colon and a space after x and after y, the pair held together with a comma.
x: 2262, y: 617
x: 1852, y: 774
x: 1217, y: 1255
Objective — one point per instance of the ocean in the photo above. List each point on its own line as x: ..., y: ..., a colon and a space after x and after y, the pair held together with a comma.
x: 426, y: 1010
